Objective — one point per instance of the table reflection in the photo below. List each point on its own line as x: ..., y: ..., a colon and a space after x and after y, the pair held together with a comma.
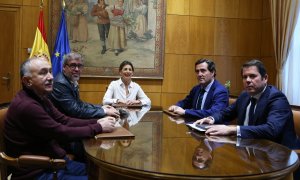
x: 130, y: 116
x: 162, y: 148
x: 260, y: 156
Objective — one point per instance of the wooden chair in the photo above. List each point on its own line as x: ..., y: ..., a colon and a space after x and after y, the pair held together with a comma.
x: 231, y: 101
x: 43, y: 162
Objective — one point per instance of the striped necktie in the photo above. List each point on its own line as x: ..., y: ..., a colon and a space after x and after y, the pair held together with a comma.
x: 200, y: 98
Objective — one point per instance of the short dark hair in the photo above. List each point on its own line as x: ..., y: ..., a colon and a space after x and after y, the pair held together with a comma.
x: 124, y: 63
x: 210, y: 65
x: 259, y: 65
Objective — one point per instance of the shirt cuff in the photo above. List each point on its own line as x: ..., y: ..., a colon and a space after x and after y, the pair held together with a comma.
x: 238, y: 141
x: 238, y: 131
x: 212, y: 118
x: 142, y: 102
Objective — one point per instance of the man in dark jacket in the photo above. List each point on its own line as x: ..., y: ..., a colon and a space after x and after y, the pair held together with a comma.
x: 206, y: 98
x: 34, y: 126
x: 65, y: 94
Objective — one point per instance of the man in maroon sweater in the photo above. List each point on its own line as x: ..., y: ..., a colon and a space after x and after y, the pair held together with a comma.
x: 34, y: 126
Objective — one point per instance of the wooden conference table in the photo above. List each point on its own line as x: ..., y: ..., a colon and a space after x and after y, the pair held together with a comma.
x: 164, y: 148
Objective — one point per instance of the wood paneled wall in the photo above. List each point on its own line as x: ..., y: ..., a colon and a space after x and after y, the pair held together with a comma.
x: 29, y: 15
x: 28, y: 20
x: 229, y: 32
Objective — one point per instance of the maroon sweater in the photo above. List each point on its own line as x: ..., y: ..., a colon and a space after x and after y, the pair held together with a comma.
x: 34, y: 126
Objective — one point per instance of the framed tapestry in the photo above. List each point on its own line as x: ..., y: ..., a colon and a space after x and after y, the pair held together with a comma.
x: 107, y: 32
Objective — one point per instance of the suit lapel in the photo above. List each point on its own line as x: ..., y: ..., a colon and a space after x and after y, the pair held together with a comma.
x: 243, y: 110
x: 197, y: 94
x: 209, y: 95
x: 76, y: 91
x: 261, y: 104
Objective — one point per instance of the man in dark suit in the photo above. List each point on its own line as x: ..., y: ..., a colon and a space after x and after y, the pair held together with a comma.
x: 206, y: 98
x: 262, y: 111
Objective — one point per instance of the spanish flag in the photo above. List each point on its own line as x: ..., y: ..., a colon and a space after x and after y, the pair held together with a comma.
x: 40, y: 47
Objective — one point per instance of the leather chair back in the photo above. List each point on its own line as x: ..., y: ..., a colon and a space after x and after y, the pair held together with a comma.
x: 231, y: 100
x: 296, y: 115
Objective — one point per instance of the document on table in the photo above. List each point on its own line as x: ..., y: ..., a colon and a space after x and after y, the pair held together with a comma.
x: 198, y: 127
x: 119, y: 133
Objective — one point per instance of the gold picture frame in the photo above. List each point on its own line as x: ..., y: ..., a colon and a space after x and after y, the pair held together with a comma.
x: 146, y: 52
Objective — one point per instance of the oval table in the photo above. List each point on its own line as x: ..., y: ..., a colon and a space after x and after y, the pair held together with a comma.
x: 165, y: 148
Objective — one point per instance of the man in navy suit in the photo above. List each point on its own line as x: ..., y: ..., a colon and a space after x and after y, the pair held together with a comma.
x: 206, y: 98
x: 272, y: 117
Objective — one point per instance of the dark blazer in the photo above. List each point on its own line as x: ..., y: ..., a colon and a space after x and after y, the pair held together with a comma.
x: 273, y: 117
x: 66, y: 99
x: 216, y: 100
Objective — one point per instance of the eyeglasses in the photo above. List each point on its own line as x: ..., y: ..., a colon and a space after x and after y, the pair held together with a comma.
x: 74, y: 65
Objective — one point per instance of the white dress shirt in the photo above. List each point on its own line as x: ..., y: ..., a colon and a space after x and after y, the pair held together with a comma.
x: 207, y: 88
x: 135, y: 116
x: 116, y: 90
x: 246, y: 121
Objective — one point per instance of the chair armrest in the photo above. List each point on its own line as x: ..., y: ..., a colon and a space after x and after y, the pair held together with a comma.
x: 33, y: 161
x: 7, y: 160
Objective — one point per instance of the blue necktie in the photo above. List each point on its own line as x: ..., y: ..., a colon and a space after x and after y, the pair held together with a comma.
x: 199, y: 99
x: 251, y: 111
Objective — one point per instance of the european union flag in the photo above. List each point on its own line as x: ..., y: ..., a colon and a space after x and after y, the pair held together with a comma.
x: 61, y: 47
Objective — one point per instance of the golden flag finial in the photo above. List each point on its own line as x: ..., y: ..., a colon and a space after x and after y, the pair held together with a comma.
x: 42, y: 4
x: 63, y: 4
